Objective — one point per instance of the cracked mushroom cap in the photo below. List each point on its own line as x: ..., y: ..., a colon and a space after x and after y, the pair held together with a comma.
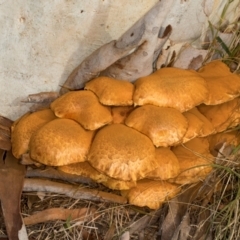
x: 122, y: 153
x: 60, y: 142
x: 164, y: 126
x: 111, y: 91
x: 83, y: 107
x: 171, y: 87
x: 222, y: 85
x: 167, y: 165
x: 222, y: 116
x: 23, y: 128
x: 86, y: 170
x: 194, y: 160
x: 151, y: 193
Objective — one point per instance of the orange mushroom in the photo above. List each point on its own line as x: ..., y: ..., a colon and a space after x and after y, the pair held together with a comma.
x: 83, y: 107
x: 171, y: 87
x: 60, y: 142
x: 23, y: 128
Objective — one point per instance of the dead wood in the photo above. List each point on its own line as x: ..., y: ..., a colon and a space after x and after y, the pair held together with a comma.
x: 42, y: 97
x: 51, y: 214
x: 27, y: 160
x: 144, y: 34
x: 73, y: 191
x: 53, y: 173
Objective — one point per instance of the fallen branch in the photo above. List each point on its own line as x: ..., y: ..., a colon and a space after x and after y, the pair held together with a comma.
x: 42, y: 97
x: 52, y: 173
x: 76, y: 192
x: 51, y: 214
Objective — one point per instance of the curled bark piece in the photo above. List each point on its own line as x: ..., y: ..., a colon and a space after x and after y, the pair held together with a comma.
x: 72, y: 191
x: 5, y: 122
x: 144, y: 30
x: 51, y: 214
x: 52, y: 173
x: 42, y: 97
x: 140, y: 62
x: 5, y: 133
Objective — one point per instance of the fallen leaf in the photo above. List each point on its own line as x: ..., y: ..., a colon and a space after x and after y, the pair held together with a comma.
x: 11, y: 182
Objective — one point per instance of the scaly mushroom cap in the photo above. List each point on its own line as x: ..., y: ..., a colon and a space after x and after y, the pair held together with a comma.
x: 164, y: 126
x: 207, y: 128
x: 151, y: 193
x: 194, y: 160
x: 119, y: 114
x: 83, y: 107
x: 86, y: 170
x: 222, y: 116
x: 171, y: 87
x: 23, y: 128
x: 222, y: 85
x: 60, y: 142
x: 122, y: 153
x: 111, y: 91
x: 167, y: 165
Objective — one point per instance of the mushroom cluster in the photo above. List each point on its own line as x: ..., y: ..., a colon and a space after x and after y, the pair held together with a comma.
x: 145, y: 138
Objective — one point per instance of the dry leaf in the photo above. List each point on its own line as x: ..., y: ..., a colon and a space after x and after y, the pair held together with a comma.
x: 11, y: 182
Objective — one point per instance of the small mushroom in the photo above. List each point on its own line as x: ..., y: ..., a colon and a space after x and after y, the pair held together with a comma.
x: 167, y: 165
x: 122, y: 153
x: 23, y: 128
x: 83, y: 107
x: 222, y: 85
x: 111, y: 91
x: 151, y: 193
x: 195, y: 161
x: 164, y: 126
x: 86, y: 170
x: 222, y: 116
x: 195, y: 126
x: 171, y: 87
x: 60, y: 142
x: 207, y: 127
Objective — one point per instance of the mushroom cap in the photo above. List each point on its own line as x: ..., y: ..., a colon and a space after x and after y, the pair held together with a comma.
x: 222, y: 116
x: 119, y: 114
x: 207, y: 128
x: 23, y: 128
x: 83, y: 107
x: 164, y: 126
x: 151, y: 193
x: 111, y: 91
x: 194, y: 160
x: 167, y: 165
x: 195, y: 126
x: 86, y: 170
x: 122, y: 153
x: 217, y: 140
x: 171, y: 87
x: 60, y: 142
x: 222, y: 85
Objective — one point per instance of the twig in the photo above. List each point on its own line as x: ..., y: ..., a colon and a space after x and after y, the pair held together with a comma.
x: 52, y: 173
x: 76, y: 192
